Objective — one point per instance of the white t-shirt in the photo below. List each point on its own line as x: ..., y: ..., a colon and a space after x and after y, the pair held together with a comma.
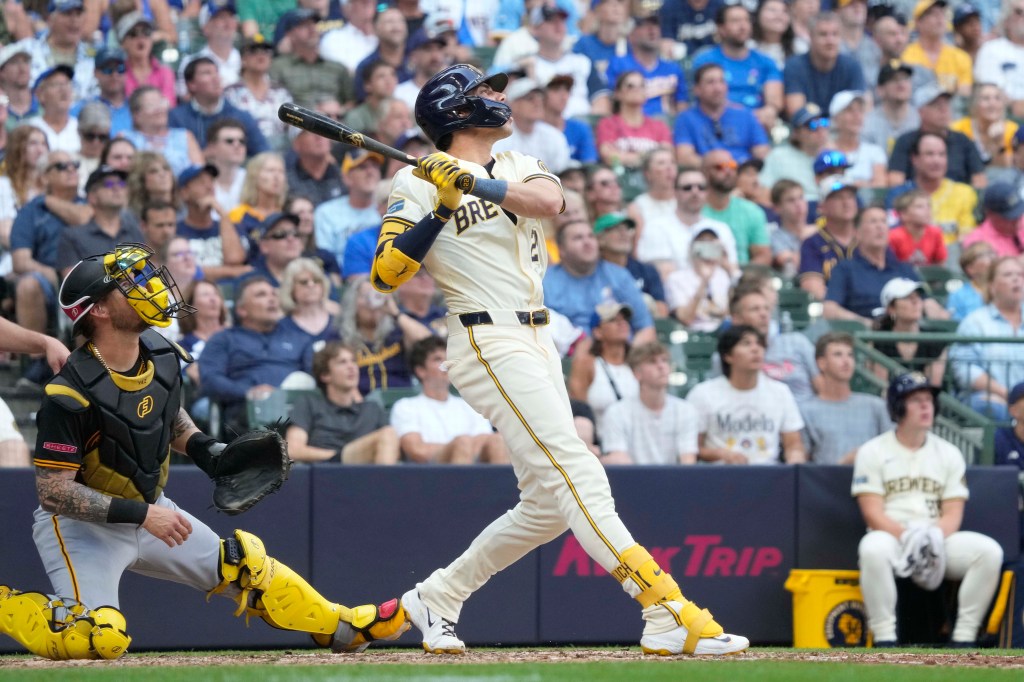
x: 863, y: 162
x: 1001, y: 62
x: 437, y: 421
x: 651, y: 437
x: 347, y: 45
x: 750, y: 422
x: 575, y: 65
x: 66, y: 140
x: 665, y: 237
x: 682, y: 285
x: 545, y: 142
x: 913, y: 482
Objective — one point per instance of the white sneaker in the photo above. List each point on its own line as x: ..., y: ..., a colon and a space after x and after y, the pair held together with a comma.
x: 673, y: 641
x: 438, y: 633
x: 671, y: 644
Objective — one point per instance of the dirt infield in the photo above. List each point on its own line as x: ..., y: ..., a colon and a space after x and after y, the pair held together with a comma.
x: 499, y: 656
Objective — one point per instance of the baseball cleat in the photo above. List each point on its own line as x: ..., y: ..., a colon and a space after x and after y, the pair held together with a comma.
x: 696, y: 633
x: 438, y: 633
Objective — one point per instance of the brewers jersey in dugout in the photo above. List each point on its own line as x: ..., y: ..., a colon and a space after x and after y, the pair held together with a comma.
x: 468, y: 259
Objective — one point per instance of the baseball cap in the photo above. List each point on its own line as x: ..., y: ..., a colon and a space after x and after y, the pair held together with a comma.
x: 606, y: 312
x: 963, y: 12
x: 421, y: 39
x: 356, y: 156
x: 64, y: 6
x: 565, y: 79
x: 898, y: 288
x: 192, y: 172
x: 256, y: 41
x: 106, y: 54
x: 928, y: 93
x: 807, y: 113
x: 924, y: 5
x: 520, y: 88
x: 440, y: 22
x: 539, y: 15
x: 410, y: 135
x: 293, y: 18
x: 101, y: 173
x: 211, y: 8
x: 273, y: 219
x: 53, y: 70
x: 889, y: 71
x: 610, y: 220
x: 843, y: 99
x: 1016, y: 393
x: 830, y: 161
x: 880, y: 8
x: 9, y: 52
x: 129, y: 21
x: 831, y: 185
x: 1004, y: 199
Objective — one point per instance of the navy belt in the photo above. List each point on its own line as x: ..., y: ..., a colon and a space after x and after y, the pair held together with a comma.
x: 532, y: 318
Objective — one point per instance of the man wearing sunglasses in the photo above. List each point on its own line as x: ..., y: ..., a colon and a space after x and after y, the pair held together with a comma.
x: 110, y: 71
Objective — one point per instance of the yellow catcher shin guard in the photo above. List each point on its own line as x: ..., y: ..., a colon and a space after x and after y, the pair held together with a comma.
x: 62, y: 629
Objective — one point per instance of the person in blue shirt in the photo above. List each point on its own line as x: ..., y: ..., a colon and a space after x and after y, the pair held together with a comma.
x: 510, y: 15
x: 608, y: 40
x: 755, y: 82
x: 691, y: 22
x: 582, y: 280
x: 110, y: 70
x: 202, y: 78
x: 817, y: 75
x: 717, y: 123
x: 663, y: 80
x: 578, y: 134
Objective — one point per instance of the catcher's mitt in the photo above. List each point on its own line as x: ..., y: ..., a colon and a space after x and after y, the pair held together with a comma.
x: 251, y: 467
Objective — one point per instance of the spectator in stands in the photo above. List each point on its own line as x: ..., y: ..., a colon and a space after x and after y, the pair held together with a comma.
x: 150, y: 178
x: 690, y: 22
x: 834, y: 240
x: 135, y: 35
x: 773, y: 32
x: 1003, y: 227
x: 855, y: 287
x: 396, y: 121
x: 530, y: 134
x: 600, y: 47
x: 151, y: 132
x: 218, y: 22
x: 305, y: 300
x: 309, y: 76
x: 953, y: 203
x: 158, y: 11
x: 855, y: 40
x: 885, y: 466
x: 361, y: 246
x: 578, y: 134
x: 110, y: 73
x: 802, y: 13
x: 225, y: 151
x: 302, y: 208
x: 753, y: 79
x: 964, y: 163
x: 975, y: 262
x: 600, y: 375
x: 616, y: 241
x: 34, y: 238
x: 792, y: 228
x: 118, y: 153
x: 278, y: 245
x: 893, y: 116
x: 181, y: 263
x: 984, y: 371
x: 915, y: 239
x: 392, y: 35
x: 311, y: 170
x: 337, y: 220
x: 436, y: 427
x: 254, y: 92
x: 1016, y: 176
x: 251, y: 359
x: 987, y: 125
x: 582, y: 280
x: 263, y: 192
x: 624, y: 137
x: 664, y: 81
x: 816, y: 77
x: 336, y: 424
x: 93, y: 133
x: 16, y: 82
x: 380, y: 82
x: 381, y: 335
x: 868, y: 161
x: 212, y: 238
x: 210, y: 317
x: 744, y: 218
x: 158, y: 224
x: 795, y: 161
x: 698, y: 293
x: 426, y: 57
x: 716, y: 122
x: 417, y: 297
x: 20, y: 181
x: 967, y: 31
x: 891, y: 38
x: 903, y: 305
x: 1009, y: 440
x: 351, y: 43
x: 62, y: 43
x: 53, y: 90
x: 588, y: 93
x: 657, y: 204
x: 745, y: 416
x: 1001, y: 60
x: 652, y: 427
x: 932, y: 50
x: 748, y: 185
x: 838, y: 421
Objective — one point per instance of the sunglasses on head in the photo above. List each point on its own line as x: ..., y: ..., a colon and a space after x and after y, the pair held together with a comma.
x: 111, y: 69
x: 278, y: 236
x: 63, y: 166
x: 95, y: 137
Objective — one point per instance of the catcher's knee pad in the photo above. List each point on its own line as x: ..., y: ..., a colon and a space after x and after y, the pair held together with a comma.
x: 272, y: 591
x: 62, y: 629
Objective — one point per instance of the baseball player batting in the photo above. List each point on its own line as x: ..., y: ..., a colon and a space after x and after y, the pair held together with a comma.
x: 909, y: 484
x: 487, y: 254
x: 106, y: 426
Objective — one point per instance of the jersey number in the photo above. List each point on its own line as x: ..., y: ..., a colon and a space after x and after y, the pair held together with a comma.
x: 535, y: 246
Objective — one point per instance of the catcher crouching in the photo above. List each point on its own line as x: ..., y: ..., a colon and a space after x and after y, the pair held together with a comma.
x: 106, y: 427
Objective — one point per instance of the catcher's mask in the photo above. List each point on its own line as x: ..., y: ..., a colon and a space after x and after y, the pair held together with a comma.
x: 151, y: 291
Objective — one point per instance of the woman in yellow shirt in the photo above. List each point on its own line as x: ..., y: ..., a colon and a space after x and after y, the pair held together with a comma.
x: 987, y: 125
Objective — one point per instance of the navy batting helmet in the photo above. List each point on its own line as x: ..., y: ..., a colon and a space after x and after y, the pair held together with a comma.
x: 443, y: 105
x: 902, y: 386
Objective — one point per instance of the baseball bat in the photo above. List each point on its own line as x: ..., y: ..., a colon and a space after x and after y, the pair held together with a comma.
x: 324, y: 126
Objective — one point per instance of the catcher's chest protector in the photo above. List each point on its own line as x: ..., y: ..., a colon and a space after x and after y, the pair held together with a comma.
x: 130, y: 457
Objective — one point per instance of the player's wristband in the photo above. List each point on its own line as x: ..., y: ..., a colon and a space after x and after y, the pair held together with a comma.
x: 490, y: 189
x: 204, y: 451
x: 127, y: 511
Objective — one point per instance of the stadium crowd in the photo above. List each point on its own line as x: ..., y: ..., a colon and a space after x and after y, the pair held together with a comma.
x: 717, y: 158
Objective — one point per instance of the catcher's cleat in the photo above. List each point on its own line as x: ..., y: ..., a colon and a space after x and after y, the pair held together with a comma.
x: 370, y: 623
x: 696, y: 635
x: 438, y: 633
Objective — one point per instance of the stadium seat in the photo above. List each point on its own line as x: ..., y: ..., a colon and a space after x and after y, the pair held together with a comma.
x: 389, y: 396
x: 277, y: 406
x: 797, y: 303
x: 851, y: 326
